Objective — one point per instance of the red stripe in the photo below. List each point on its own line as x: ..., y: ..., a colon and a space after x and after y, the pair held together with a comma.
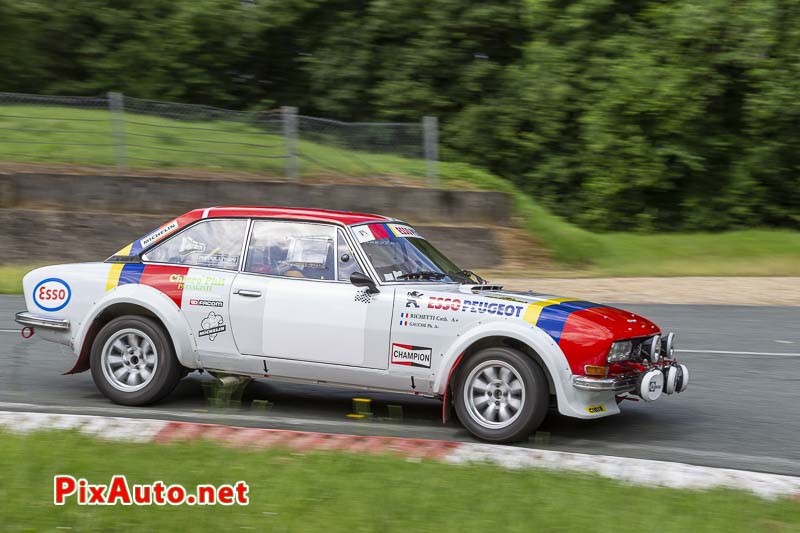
x: 379, y: 231
x: 167, y: 279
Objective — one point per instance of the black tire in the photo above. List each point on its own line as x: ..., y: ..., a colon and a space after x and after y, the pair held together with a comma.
x: 524, y: 420
x: 163, y: 377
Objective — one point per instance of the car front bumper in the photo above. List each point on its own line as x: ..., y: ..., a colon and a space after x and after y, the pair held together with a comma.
x: 37, y: 321
x: 613, y: 384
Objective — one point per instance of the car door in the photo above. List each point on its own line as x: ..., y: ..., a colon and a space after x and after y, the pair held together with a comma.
x: 196, y: 268
x: 293, y: 299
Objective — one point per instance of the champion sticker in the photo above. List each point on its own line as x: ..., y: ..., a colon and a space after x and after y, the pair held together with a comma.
x: 407, y: 355
x: 159, y: 234
x: 52, y: 294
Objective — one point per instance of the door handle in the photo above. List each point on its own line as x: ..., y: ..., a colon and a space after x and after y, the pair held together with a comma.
x: 248, y: 293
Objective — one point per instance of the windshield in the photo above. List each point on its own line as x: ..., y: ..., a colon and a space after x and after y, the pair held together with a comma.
x: 398, y: 253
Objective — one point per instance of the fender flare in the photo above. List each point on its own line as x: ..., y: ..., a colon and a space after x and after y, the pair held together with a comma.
x: 539, y: 341
x: 154, y: 301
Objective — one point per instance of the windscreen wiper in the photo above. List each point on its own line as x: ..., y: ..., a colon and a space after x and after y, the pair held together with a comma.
x: 469, y: 274
x: 422, y: 274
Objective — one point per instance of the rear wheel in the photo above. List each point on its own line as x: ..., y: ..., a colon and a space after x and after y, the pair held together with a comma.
x: 501, y: 395
x: 133, y: 362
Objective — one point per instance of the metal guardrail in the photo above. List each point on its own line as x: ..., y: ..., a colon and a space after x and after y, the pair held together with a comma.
x: 124, y: 131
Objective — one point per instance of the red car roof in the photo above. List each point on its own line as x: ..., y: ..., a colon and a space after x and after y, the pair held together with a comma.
x: 326, y: 215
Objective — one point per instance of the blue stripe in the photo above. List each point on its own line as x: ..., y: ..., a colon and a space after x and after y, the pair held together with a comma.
x: 553, y: 317
x: 131, y: 273
x: 136, y: 249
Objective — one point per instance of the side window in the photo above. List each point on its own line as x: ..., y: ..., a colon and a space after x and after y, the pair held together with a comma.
x: 211, y: 243
x: 346, y: 261
x: 292, y: 249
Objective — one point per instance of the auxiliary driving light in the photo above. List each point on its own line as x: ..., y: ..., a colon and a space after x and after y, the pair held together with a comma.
x: 652, y: 348
x: 668, y: 345
x: 682, y: 380
x: 650, y: 385
x: 670, y: 379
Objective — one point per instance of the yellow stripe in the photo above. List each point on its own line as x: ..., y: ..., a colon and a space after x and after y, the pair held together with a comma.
x: 113, y: 276
x: 126, y: 250
x: 535, y: 309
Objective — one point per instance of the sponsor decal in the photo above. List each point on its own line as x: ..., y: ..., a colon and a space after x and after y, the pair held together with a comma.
x: 371, y: 232
x: 420, y: 320
x: 445, y: 304
x: 363, y: 297
x: 159, y: 234
x: 197, y: 283
x: 211, y: 326
x: 654, y: 385
x: 52, y: 294
x: 407, y: 355
x: 594, y: 409
x: 412, y: 299
x: 363, y: 234
x: 206, y: 303
x: 475, y: 306
x: 400, y: 230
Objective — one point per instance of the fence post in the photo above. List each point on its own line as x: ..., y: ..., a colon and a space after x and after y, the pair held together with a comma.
x: 289, y: 116
x: 430, y: 134
x: 116, y: 105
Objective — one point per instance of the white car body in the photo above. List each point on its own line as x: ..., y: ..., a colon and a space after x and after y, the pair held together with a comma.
x: 406, y: 337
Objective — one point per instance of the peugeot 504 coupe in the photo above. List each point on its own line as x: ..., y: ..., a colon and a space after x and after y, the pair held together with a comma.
x: 340, y: 298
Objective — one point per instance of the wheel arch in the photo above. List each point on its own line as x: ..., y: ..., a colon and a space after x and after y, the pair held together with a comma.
x: 529, y: 340
x: 494, y: 341
x: 129, y: 300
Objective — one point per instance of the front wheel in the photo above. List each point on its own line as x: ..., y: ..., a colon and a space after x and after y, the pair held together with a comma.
x: 501, y: 395
x: 133, y: 362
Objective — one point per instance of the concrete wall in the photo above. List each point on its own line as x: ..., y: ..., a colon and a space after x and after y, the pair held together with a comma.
x: 51, y: 218
x: 170, y: 196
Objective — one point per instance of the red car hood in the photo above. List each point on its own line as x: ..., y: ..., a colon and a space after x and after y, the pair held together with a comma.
x: 583, y: 330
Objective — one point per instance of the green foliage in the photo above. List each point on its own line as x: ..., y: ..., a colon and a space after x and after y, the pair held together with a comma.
x: 614, y: 114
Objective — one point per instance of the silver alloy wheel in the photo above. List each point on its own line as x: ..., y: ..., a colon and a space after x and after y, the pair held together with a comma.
x: 494, y: 394
x: 129, y: 360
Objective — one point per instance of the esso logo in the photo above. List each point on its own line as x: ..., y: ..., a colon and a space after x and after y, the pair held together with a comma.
x: 445, y: 304
x: 52, y: 294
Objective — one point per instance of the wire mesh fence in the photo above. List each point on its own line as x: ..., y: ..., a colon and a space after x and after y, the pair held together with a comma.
x: 131, y: 132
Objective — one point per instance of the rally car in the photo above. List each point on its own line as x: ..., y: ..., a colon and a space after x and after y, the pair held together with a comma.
x: 339, y: 298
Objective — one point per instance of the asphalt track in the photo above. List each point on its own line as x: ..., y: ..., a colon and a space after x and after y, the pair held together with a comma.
x: 742, y: 408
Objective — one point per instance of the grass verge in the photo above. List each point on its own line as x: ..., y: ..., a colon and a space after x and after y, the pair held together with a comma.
x: 156, y: 142
x: 11, y: 278
x: 345, y: 492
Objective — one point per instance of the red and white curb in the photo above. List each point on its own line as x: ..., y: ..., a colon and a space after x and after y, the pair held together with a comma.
x: 629, y: 470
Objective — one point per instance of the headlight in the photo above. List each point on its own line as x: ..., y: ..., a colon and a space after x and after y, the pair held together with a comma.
x: 620, y: 351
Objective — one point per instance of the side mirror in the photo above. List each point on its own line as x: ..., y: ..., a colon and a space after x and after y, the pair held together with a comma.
x: 362, y: 280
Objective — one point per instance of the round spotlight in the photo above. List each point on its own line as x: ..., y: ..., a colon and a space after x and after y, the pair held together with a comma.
x: 683, y: 379
x: 668, y: 346
x: 655, y: 349
x: 650, y: 385
x: 670, y: 379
